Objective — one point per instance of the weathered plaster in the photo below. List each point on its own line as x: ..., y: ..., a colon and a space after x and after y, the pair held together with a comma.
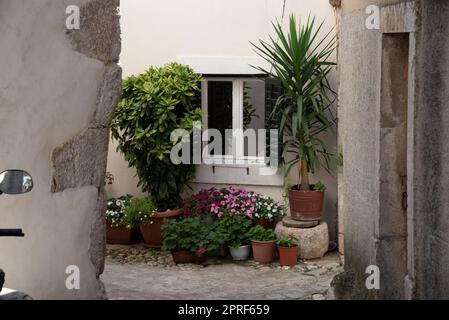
x: 55, y: 107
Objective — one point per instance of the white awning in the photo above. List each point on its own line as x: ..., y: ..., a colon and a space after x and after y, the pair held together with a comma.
x: 237, y: 65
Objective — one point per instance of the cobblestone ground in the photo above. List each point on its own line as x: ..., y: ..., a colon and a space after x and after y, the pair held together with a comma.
x: 134, y: 272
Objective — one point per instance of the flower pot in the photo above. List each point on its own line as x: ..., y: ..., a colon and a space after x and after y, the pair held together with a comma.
x: 288, y: 256
x: 152, y: 235
x: 240, y: 253
x: 262, y: 222
x: 306, y: 205
x: 263, y: 251
x: 121, y: 235
x: 187, y: 257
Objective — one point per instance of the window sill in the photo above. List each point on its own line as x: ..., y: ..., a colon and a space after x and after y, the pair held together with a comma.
x: 238, y: 174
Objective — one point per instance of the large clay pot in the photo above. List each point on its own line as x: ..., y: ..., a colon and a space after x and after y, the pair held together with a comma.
x: 288, y: 256
x: 263, y: 251
x: 152, y: 234
x: 121, y: 235
x: 306, y: 205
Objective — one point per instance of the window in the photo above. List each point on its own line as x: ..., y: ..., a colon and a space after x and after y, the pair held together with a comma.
x: 232, y: 106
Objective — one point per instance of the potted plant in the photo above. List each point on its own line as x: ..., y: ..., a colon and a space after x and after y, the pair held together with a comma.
x: 288, y: 250
x: 153, y: 105
x: 267, y: 211
x: 118, y: 229
x: 263, y: 244
x: 236, y: 228
x: 190, y: 239
x: 300, y: 61
x: 141, y: 212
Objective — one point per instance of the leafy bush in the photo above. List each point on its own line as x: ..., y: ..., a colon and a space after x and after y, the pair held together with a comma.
x: 154, y: 104
x: 140, y: 211
x: 289, y: 241
x: 236, y: 228
x: 116, y: 210
x: 193, y: 235
x: 259, y: 233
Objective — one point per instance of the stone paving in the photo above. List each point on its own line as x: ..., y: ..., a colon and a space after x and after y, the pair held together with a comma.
x: 134, y: 272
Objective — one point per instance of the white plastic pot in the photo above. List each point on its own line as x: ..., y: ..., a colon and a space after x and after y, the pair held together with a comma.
x: 240, y: 253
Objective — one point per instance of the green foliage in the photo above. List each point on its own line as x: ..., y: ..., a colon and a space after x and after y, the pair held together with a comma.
x: 193, y: 235
x: 236, y: 228
x: 259, y: 233
x: 340, y: 159
x: 299, y: 60
x: 319, y: 186
x: 289, y: 241
x: 154, y: 104
x: 140, y: 211
x: 115, y: 210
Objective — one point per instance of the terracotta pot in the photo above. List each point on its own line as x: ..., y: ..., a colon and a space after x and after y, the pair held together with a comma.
x: 263, y: 251
x: 262, y: 222
x: 187, y: 257
x: 306, y: 205
x: 152, y: 235
x: 288, y: 256
x: 121, y: 235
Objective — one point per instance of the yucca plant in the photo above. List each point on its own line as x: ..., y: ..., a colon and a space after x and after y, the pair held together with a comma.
x: 299, y: 59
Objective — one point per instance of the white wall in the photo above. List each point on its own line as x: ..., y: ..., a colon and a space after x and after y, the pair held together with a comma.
x: 158, y: 32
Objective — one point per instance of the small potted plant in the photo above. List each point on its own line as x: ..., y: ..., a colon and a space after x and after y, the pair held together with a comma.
x: 140, y: 212
x: 288, y: 250
x: 191, y: 240
x: 267, y: 211
x: 263, y: 242
x: 236, y: 228
x: 118, y: 228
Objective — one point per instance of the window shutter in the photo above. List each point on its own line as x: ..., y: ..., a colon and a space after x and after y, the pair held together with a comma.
x: 273, y: 91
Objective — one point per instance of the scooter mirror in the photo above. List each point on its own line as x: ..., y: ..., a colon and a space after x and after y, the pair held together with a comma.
x: 15, y: 182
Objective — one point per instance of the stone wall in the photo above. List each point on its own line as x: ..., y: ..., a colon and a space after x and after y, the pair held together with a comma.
x: 58, y: 91
x: 404, y: 64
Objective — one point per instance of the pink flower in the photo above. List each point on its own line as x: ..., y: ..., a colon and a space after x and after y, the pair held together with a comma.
x: 253, y: 199
x: 201, y: 251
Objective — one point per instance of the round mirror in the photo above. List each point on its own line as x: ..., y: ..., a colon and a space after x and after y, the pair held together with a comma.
x: 15, y: 182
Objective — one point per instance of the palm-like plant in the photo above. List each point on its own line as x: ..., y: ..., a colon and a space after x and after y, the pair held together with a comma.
x: 299, y: 60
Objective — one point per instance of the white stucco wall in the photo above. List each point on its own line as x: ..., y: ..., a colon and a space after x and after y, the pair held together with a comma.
x: 158, y: 32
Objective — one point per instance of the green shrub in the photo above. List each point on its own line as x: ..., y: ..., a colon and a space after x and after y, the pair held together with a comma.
x: 153, y: 105
x: 236, y: 228
x: 259, y: 233
x: 140, y: 211
x: 192, y: 235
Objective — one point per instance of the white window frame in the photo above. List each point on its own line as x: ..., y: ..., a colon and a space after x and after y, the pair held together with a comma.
x: 237, y: 121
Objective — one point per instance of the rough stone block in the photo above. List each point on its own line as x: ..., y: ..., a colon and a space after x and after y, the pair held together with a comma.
x: 99, y: 33
x: 81, y: 161
x: 313, y: 242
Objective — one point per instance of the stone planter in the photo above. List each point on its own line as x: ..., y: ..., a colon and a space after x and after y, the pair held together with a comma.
x: 264, y: 251
x: 121, y: 235
x: 152, y: 235
x: 313, y: 242
x: 240, y: 253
